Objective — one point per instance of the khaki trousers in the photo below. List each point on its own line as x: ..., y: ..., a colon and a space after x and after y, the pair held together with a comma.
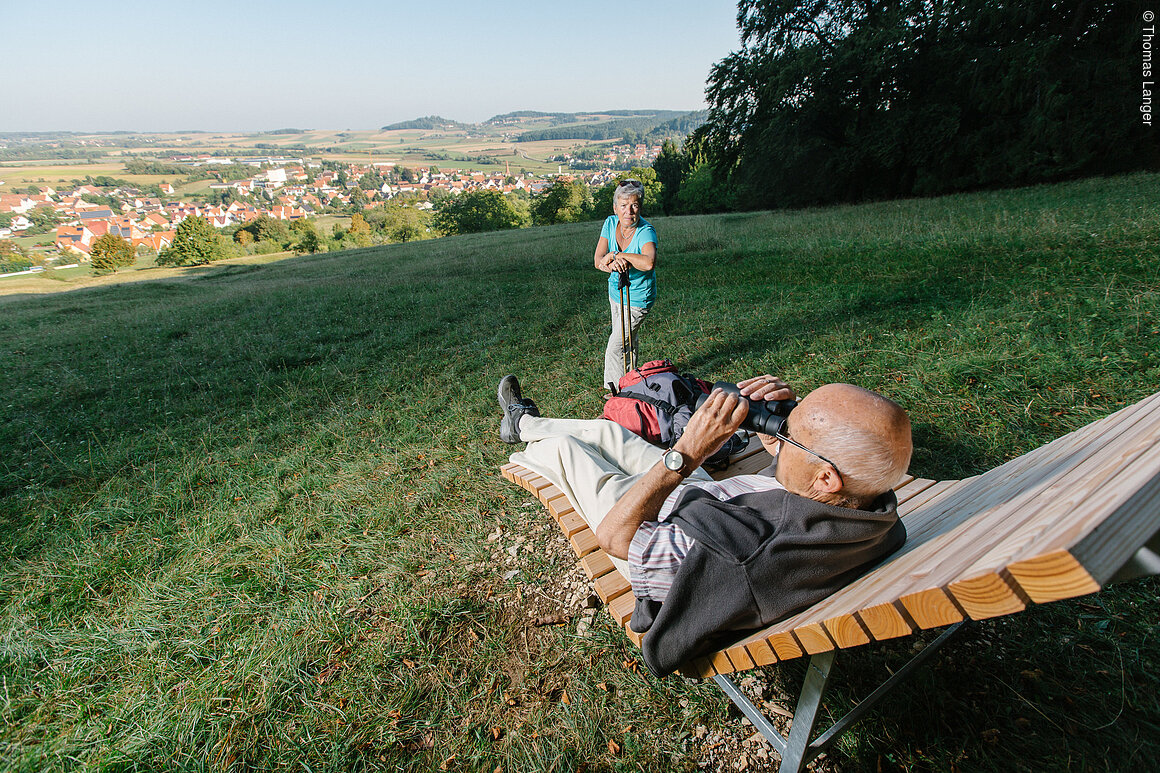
x: 593, y: 462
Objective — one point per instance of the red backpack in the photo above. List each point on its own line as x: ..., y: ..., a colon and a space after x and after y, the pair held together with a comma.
x: 655, y: 402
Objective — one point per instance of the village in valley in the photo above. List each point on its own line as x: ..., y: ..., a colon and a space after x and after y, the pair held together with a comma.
x: 238, y: 190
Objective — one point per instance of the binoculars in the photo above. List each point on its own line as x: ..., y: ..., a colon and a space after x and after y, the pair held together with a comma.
x: 765, y: 416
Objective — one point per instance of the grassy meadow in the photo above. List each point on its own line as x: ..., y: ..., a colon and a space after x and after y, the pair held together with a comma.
x: 250, y: 515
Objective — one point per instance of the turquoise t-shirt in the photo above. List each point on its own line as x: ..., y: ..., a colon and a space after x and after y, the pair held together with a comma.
x: 642, y: 285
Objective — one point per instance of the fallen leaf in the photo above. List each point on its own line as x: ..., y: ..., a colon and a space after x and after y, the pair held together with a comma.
x: 613, y: 747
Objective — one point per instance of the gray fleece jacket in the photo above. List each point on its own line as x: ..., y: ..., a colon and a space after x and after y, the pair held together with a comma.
x: 758, y: 558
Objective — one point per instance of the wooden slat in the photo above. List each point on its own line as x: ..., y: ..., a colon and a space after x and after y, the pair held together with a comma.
x: 846, y: 631
x: 597, y: 564
x: 1052, y: 577
x: 1110, y: 544
x: 537, y: 484
x: 814, y: 638
x: 926, y: 496
x: 721, y: 663
x: 699, y: 668
x: 559, y: 506
x: 785, y: 645
x: 571, y: 523
x: 1100, y: 529
x: 761, y: 653
x: 990, y: 595
x: 912, y: 488
x: 545, y: 495
x: 611, y: 586
x: 584, y: 542
x: 739, y: 658
x: 621, y: 608
x: 885, y: 621
x: 931, y: 608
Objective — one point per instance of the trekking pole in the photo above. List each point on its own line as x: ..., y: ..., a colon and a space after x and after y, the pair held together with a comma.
x: 628, y: 355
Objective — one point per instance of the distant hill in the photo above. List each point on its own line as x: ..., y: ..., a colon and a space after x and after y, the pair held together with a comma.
x: 427, y: 123
x: 587, y: 125
x: 653, y: 125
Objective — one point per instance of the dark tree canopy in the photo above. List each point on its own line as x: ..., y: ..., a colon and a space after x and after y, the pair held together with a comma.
x: 843, y: 100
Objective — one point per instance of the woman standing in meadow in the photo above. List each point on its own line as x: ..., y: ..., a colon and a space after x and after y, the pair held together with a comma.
x: 627, y: 243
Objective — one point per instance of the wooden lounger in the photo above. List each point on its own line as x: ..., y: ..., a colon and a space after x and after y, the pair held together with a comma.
x: 1060, y: 521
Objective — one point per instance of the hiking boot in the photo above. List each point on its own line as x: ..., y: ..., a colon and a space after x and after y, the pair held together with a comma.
x: 514, y: 406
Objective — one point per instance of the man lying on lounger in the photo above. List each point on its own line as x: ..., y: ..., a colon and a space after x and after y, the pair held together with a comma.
x: 711, y: 561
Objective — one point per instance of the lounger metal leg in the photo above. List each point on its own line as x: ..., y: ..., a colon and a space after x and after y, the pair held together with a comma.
x: 792, y: 749
x: 797, y: 750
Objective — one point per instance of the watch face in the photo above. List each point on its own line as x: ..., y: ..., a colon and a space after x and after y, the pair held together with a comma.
x: 674, y: 461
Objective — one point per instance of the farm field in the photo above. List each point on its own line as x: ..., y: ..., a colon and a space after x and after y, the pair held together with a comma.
x: 483, y: 147
x: 251, y: 516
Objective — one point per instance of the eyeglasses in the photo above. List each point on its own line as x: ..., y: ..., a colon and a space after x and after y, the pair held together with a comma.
x: 630, y: 184
x: 784, y: 436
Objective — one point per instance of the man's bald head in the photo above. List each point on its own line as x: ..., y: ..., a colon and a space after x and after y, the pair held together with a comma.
x: 865, y: 434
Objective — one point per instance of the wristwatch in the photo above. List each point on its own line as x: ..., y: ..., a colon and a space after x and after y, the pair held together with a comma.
x: 675, y: 461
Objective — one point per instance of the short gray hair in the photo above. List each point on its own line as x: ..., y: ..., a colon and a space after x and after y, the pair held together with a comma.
x: 868, y: 466
x: 626, y: 188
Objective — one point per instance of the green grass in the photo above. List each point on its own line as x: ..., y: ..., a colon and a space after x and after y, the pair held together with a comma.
x: 245, y: 511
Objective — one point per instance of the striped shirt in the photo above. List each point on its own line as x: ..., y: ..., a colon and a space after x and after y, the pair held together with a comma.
x: 658, y: 547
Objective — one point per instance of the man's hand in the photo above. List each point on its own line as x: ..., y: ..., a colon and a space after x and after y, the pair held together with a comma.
x: 766, y: 387
x: 713, y: 423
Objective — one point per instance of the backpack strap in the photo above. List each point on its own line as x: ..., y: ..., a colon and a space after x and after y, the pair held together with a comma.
x: 660, y: 405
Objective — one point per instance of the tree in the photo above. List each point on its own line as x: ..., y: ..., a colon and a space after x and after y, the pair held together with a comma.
x: 358, y: 200
x: 671, y: 166
x: 399, y: 223
x: 359, y: 231
x: 840, y: 100
x: 13, y: 257
x: 371, y: 181
x: 475, y: 212
x: 309, y: 239
x: 264, y: 229
x: 653, y: 191
x: 43, y: 219
x: 565, y: 201
x: 110, y: 252
x: 195, y: 243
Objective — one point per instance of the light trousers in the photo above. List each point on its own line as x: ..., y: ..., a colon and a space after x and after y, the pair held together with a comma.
x: 594, y: 462
x: 614, y: 352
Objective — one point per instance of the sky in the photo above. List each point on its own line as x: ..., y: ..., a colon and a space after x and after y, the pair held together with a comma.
x: 348, y: 64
